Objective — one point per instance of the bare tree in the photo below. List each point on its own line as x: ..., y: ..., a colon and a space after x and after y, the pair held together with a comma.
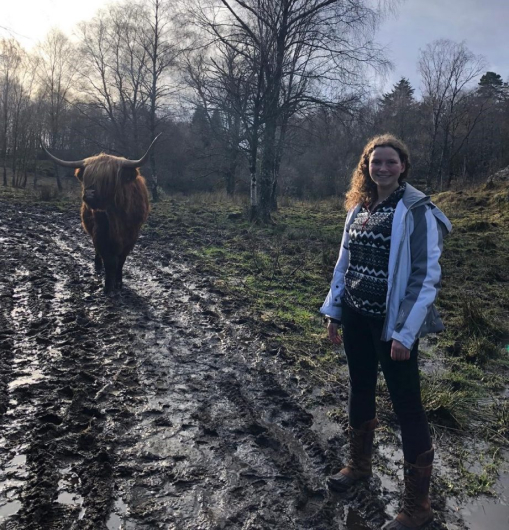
x: 160, y: 42
x: 57, y: 71
x: 446, y: 68
x: 114, y: 71
x: 221, y: 96
x: 26, y: 120
x: 128, y: 51
x: 300, y: 53
x: 10, y: 61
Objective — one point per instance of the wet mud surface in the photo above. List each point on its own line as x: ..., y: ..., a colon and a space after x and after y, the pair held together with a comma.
x: 156, y: 407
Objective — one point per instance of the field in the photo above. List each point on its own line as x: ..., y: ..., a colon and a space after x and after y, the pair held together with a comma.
x: 225, y: 406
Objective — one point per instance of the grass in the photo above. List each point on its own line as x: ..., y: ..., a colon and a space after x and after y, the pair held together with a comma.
x: 279, y: 275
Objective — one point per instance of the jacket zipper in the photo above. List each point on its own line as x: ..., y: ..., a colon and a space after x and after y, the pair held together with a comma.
x: 398, y: 257
x: 396, y: 266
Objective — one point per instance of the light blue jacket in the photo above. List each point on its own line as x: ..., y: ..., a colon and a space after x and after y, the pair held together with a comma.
x: 417, y: 234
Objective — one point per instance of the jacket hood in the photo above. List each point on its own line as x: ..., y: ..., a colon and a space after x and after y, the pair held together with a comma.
x: 413, y: 197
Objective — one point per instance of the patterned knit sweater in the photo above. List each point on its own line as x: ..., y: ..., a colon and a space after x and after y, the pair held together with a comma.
x: 370, y: 243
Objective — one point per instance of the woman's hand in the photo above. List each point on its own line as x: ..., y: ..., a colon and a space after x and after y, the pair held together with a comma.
x: 399, y: 352
x: 332, y: 330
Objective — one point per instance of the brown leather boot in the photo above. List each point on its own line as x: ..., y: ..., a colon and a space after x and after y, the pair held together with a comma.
x: 416, y: 511
x: 359, y: 465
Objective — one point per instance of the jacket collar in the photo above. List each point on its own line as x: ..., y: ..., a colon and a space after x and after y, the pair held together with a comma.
x: 413, y: 197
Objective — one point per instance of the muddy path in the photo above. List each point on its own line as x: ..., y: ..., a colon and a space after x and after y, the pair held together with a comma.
x: 154, y: 408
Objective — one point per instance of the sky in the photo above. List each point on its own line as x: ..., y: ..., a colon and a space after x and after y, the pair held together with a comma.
x: 482, y: 24
x: 29, y: 21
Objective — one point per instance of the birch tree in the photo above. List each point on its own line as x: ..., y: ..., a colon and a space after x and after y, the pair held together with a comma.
x: 447, y: 68
x: 10, y: 62
x: 300, y: 53
x: 57, y: 71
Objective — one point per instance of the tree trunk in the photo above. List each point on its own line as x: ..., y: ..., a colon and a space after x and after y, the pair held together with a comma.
x: 253, y: 213
x: 153, y: 178
x: 273, y: 195
x: 57, y: 176
x: 36, y: 168
x: 230, y: 182
x: 266, y: 179
x: 431, y: 163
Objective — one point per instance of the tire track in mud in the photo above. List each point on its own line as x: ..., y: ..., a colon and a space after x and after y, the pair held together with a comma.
x: 219, y: 450
x: 55, y: 455
x: 153, y: 408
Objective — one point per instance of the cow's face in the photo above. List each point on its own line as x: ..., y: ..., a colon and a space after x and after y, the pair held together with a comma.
x: 102, y: 179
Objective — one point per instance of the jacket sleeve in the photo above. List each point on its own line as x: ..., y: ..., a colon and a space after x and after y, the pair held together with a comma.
x: 424, y: 281
x: 332, y: 305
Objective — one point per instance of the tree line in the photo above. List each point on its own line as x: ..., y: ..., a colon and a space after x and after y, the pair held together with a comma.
x: 259, y: 97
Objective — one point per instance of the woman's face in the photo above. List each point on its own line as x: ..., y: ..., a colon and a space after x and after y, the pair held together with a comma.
x: 385, y: 168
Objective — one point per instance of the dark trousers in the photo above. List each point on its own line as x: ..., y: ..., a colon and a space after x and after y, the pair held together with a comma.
x: 364, y: 350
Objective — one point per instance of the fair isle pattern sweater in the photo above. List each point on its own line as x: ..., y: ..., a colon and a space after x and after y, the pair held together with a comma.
x: 418, y: 229
x: 370, y: 244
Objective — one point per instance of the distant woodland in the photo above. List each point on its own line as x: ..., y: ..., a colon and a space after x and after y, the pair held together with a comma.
x: 267, y: 98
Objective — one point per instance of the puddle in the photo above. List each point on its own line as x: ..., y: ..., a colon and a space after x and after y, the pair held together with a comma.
x: 489, y: 512
x: 118, y: 516
x: 8, y: 487
x: 67, y: 498
x: 67, y: 486
x: 34, y: 377
x: 17, y: 461
x: 14, y: 473
x: 354, y: 521
x: 9, y: 509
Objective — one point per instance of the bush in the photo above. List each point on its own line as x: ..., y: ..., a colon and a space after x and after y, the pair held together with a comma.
x: 47, y: 193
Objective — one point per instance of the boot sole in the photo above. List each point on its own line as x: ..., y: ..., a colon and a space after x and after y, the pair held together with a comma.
x: 340, y: 486
x: 396, y: 525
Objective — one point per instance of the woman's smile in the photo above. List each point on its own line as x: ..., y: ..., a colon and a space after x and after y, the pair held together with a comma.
x: 385, y: 168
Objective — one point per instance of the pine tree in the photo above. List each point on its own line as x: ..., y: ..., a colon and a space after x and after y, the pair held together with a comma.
x: 491, y: 85
x: 402, y: 94
x: 396, y: 110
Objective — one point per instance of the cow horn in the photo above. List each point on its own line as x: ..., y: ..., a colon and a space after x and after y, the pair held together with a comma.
x: 64, y: 163
x: 143, y: 159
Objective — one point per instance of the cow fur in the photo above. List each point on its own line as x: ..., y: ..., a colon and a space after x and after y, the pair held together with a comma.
x: 115, y: 206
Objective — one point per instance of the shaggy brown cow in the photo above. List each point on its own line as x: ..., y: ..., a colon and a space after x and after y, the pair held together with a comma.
x: 115, y: 205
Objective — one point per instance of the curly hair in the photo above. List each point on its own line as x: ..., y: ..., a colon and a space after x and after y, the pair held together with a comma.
x: 362, y: 188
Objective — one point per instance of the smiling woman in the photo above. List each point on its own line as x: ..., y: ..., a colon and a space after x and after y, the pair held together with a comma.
x: 30, y: 21
x: 385, y: 169
x: 382, y: 292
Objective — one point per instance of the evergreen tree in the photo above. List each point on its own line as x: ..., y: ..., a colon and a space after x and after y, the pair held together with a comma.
x: 402, y: 94
x: 491, y: 85
x: 200, y: 126
x: 491, y: 80
x: 397, y: 110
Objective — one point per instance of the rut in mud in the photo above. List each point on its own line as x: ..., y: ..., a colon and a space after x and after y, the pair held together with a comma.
x: 152, y: 408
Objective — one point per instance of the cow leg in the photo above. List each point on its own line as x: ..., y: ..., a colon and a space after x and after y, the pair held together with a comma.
x: 98, y: 262
x: 110, y: 268
x: 104, y: 251
x: 96, y: 230
x: 120, y: 266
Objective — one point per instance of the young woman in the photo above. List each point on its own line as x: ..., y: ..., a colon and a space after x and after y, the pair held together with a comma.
x: 382, y: 292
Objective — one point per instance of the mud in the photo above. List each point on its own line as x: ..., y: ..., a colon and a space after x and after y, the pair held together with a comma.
x: 159, y: 407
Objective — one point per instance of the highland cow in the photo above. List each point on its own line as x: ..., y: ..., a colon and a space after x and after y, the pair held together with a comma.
x: 115, y: 205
